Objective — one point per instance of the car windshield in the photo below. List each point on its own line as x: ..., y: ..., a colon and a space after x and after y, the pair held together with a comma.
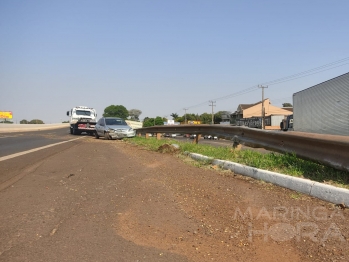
x: 114, y: 122
x: 83, y: 113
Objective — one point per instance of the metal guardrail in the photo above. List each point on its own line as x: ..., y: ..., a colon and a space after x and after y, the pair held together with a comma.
x: 327, y: 149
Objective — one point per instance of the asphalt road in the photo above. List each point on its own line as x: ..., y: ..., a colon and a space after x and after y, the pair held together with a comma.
x: 14, y: 142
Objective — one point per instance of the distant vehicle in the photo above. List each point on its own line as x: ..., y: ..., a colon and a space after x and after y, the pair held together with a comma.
x: 192, y: 136
x: 210, y: 137
x: 169, y: 135
x: 113, y: 128
x: 287, y: 123
x: 82, y: 119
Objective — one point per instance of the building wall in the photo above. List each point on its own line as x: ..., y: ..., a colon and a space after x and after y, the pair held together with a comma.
x: 256, y: 110
x: 323, y: 108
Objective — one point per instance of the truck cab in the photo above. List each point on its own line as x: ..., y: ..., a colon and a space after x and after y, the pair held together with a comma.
x: 82, y: 119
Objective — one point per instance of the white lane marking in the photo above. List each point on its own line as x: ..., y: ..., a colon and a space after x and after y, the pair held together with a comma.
x: 7, y: 136
x: 36, y: 149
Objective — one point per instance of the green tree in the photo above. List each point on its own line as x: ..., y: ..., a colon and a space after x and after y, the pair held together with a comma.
x: 116, y: 111
x: 179, y: 119
x: 218, y: 117
x: 286, y: 105
x: 190, y: 117
x: 6, y: 122
x: 147, y: 122
x: 174, y: 115
x: 36, y: 121
x: 134, y: 114
x: 158, y: 121
x: 23, y: 121
x: 206, y: 118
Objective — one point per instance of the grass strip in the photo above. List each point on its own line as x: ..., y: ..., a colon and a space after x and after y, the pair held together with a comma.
x: 288, y: 164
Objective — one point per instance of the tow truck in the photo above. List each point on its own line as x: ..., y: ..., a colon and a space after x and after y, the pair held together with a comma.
x: 82, y: 119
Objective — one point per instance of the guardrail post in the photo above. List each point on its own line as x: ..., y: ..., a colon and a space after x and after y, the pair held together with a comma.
x: 158, y: 136
x: 196, y: 139
x: 236, y: 143
x: 147, y: 135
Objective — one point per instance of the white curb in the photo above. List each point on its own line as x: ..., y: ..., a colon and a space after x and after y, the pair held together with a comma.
x: 322, y: 191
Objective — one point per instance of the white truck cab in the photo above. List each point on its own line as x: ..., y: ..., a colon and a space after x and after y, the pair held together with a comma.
x: 82, y: 119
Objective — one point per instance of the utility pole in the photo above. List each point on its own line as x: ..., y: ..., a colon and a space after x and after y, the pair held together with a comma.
x: 185, y: 115
x: 212, y: 104
x: 263, y: 109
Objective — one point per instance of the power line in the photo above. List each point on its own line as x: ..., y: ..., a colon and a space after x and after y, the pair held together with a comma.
x: 296, y: 76
x: 302, y: 74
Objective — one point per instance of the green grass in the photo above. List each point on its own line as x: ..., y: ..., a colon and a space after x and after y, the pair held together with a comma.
x: 288, y: 164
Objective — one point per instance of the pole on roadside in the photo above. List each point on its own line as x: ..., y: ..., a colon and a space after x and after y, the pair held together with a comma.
x: 263, y: 109
x: 185, y: 115
x: 212, y: 104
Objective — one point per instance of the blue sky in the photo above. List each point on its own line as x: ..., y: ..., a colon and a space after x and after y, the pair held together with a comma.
x: 163, y: 56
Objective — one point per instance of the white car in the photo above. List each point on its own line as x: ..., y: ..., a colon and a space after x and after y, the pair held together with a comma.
x: 113, y: 128
x: 210, y: 137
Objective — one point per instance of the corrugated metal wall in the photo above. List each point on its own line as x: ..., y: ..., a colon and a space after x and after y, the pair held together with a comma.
x: 323, y: 108
x: 276, y: 119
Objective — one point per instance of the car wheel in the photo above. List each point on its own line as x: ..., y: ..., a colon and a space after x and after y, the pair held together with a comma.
x: 106, y: 136
x: 96, y: 135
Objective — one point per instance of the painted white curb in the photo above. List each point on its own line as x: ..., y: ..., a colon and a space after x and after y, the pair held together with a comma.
x: 322, y: 191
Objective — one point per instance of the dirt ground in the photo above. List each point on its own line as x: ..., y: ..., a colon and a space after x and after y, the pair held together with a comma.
x: 124, y: 203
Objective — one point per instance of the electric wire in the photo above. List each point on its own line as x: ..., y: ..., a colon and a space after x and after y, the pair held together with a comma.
x: 302, y: 74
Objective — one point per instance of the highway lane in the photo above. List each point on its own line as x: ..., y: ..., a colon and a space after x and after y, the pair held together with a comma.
x: 15, y: 142
x: 23, y: 152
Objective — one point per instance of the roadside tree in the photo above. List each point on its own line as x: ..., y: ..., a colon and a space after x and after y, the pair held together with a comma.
x: 206, y: 118
x: 174, y: 115
x: 134, y: 114
x: 116, y: 111
x: 287, y: 105
x: 158, y: 121
x: 36, y: 121
x: 147, y: 122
